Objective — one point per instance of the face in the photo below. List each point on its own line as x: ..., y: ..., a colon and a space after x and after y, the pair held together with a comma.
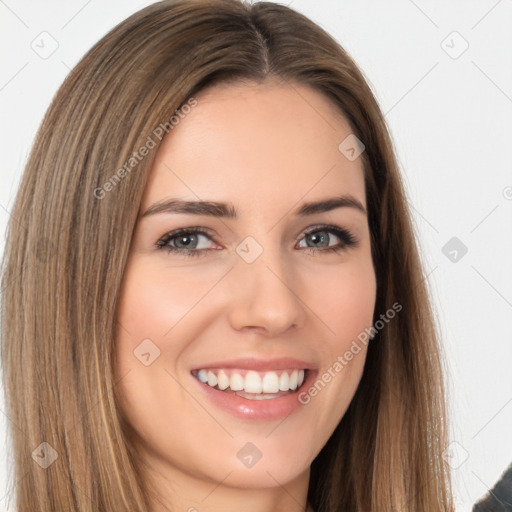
x: 232, y: 315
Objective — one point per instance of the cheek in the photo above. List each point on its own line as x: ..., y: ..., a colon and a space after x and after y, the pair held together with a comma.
x: 154, y: 300
x: 160, y: 311
x: 148, y: 309
x: 344, y: 301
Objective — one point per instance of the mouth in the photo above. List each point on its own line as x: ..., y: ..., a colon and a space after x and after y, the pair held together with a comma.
x: 255, y: 390
x: 253, y: 385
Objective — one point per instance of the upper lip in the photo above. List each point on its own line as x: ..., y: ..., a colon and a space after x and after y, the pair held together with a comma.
x: 262, y: 365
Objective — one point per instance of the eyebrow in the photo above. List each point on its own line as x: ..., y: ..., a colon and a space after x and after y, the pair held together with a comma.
x: 227, y: 210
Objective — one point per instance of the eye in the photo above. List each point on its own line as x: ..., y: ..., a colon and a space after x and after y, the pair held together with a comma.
x: 187, y: 241
x: 323, y: 238
x: 195, y: 241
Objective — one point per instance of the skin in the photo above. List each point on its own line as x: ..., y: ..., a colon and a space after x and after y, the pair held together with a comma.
x: 267, y: 149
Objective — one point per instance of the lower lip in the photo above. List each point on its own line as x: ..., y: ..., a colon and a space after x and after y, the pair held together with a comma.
x: 245, y: 408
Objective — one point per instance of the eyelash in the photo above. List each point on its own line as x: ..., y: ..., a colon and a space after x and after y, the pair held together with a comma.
x: 347, y: 240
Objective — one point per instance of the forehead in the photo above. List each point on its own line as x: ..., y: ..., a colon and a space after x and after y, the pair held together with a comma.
x: 258, y: 145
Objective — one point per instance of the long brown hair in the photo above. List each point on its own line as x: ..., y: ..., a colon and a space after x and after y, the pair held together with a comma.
x: 69, y: 237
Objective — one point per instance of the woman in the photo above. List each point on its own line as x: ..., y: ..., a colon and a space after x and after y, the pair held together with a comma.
x: 214, y: 299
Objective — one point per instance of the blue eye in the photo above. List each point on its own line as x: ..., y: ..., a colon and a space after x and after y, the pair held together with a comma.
x: 323, y: 235
x: 188, y: 241
x: 184, y: 240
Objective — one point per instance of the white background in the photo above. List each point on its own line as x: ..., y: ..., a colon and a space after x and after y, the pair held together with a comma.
x: 451, y: 121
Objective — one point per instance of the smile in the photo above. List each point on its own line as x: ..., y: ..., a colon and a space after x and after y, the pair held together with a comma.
x: 252, y: 384
x: 255, y: 389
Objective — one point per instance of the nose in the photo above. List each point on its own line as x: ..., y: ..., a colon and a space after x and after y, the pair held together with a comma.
x: 264, y: 296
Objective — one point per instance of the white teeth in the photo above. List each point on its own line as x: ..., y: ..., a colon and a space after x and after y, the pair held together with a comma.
x: 212, y: 379
x: 236, y: 382
x: 284, y: 382
x: 263, y: 384
x: 252, y: 383
x: 223, y: 380
x: 293, y: 380
x: 270, y: 383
